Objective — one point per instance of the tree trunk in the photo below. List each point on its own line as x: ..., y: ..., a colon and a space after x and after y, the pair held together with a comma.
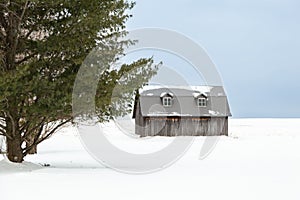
x: 30, y: 141
x: 14, y: 149
x: 33, y: 150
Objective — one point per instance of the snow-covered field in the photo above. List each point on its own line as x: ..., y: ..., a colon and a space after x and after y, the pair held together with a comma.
x: 259, y: 160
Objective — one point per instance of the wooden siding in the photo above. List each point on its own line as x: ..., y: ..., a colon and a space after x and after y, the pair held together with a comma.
x: 184, y: 126
x: 180, y: 126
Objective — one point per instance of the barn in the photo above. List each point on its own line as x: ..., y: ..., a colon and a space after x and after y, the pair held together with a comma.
x: 181, y: 111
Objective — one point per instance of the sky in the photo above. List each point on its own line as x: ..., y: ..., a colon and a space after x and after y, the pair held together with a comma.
x: 255, y: 45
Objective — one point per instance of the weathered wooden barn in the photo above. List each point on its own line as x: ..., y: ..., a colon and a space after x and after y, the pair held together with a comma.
x: 181, y: 111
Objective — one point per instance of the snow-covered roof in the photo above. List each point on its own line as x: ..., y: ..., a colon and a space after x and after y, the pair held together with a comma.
x: 184, y: 101
x: 199, y: 94
x: 199, y: 88
x: 163, y: 94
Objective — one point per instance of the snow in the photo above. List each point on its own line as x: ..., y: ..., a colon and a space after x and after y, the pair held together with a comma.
x: 164, y: 114
x: 9, y: 167
x: 166, y: 93
x: 199, y: 88
x: 259, y: 160
x: 213, y: 112
x: 197, y: 94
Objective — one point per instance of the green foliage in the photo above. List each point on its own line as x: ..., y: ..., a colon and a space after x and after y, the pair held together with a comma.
x: 42, y: 46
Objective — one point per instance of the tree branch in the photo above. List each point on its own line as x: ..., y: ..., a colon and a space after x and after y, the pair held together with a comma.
x: 2, y: 132
x: 19, y: 24
x: 34, y: 128
x: 33, y: 27
x: 35, y: 140
x: 26, y: 58
x: 2, y: 127
x: 38, y: 140
x: 23, y: 12
x: 54, y: 130
x: 15, y: 14
x: 3, y: 20
x: 8, y: 10
x: 24, y: 127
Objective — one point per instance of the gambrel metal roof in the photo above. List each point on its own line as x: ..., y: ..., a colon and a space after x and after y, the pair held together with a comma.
x: 184, y: 101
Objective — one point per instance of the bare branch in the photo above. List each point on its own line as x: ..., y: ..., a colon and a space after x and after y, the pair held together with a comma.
x: 49, y: 130
x: 23, y: 12
x: 35, y: 127
x: 2, y: 126
x: 24, y: 127
x: 2, y: 118
x: 2, y: 132
x: 54, y: 130
x: 35, y: 140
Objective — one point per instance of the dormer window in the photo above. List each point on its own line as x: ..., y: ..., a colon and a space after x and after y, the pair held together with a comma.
x: 202, y: 102
x: 167, y: 101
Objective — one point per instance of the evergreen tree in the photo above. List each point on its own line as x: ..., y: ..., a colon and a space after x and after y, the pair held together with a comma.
x: 42, y: 46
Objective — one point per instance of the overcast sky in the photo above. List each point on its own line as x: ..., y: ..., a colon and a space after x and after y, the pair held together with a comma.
x: 255, y: 45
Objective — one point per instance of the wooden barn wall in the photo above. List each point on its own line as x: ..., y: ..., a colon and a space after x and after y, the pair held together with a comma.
x: 184, y: 126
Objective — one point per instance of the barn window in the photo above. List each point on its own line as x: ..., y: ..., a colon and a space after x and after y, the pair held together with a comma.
x: 167, y: 101
x: 202, y: 102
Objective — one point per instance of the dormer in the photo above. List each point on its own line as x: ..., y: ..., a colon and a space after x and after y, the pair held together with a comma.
x: 201, y: 99
x: 167, y: 99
